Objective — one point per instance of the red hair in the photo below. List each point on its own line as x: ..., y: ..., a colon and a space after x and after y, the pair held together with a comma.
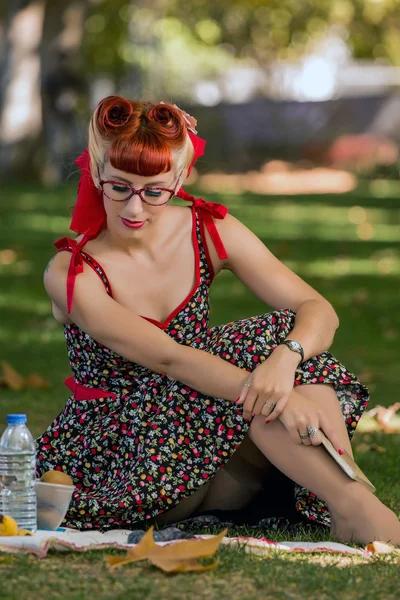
x: 139, y: 137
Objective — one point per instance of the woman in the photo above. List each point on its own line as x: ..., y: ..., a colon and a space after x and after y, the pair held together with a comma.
x: 164, y: 420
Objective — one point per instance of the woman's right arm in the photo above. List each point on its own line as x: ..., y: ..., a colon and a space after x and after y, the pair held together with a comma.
x: 135, y: 338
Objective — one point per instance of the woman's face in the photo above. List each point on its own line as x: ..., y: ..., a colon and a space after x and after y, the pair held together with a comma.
x: 127, y: 216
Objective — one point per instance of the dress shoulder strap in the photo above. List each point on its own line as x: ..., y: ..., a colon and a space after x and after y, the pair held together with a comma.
x: 208, y: 211
x: 78, y: 257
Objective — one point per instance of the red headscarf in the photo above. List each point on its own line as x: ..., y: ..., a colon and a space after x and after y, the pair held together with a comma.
x: 89, y: 216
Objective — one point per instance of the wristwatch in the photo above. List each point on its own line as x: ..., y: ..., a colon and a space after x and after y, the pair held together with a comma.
x: 295, y: 347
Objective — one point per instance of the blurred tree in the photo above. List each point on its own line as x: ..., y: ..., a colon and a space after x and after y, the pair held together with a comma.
x: 162, y: 48
x: 270, y: 29
x: 153, y: 47
x: 147, y: 49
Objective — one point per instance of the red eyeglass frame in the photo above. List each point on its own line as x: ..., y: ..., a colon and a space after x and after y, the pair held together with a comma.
x: 139, y: 192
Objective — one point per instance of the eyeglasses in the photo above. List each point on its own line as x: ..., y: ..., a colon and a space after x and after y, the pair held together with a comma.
x: 122, y: 192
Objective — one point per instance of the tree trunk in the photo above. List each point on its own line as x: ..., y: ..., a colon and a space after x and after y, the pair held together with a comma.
x: 8, y: 67
x: 22, y: 145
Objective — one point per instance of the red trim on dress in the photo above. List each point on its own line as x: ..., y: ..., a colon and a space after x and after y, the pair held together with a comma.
x: 206, y: 250
x: 164, y: 324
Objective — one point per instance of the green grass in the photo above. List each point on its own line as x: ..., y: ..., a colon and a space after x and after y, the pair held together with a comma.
x: 317, y: 236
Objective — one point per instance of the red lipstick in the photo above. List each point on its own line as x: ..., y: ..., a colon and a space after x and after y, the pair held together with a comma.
x: 132, y: 224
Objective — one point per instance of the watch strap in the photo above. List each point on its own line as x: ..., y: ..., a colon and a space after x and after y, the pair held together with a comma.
x: 300, y: 348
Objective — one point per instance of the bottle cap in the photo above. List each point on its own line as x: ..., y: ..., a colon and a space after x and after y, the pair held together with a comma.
x: 14, y: 419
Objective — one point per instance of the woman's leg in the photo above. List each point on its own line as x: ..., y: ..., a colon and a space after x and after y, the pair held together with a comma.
x: 356, y: 513
x: 185, y: 509
x: 231, y: 488
x: 239, y: 480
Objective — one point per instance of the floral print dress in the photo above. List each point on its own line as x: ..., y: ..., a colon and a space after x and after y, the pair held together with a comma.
x: 137, y: 443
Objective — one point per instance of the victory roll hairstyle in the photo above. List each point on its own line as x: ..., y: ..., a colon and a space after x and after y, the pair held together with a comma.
x: 138, y: 137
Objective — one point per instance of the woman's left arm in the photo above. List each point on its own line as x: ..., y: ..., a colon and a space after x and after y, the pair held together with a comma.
x: 276, y: 285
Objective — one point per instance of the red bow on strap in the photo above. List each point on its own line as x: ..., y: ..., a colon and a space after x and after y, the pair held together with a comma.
x: 208, y: 210
x: 75, y: 265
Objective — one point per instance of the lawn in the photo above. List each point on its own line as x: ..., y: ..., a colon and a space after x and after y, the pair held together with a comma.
x: 348, y: 248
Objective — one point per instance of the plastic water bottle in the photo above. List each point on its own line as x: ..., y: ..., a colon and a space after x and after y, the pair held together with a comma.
x: 17, y: 473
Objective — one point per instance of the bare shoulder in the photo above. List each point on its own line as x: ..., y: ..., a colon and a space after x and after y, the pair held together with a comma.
x: 57, y: 268
x: 237, y: 237
x: 230, y: 224
x: 55, y: 277
x: 55, y: 283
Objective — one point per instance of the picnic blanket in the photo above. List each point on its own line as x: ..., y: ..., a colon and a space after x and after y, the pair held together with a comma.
x: 72, y: 540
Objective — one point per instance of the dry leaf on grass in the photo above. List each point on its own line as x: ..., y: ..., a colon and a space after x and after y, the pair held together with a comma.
x: 363, y: 447
x: 14, y: 381
x: 11, y: 378
x: 368, y: 376
x: 35, y: 381
x: 382, y: 548
x: 175, y: 557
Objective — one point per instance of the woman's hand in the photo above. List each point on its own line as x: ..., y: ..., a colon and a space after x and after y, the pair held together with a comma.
x: 300, y: 414
x: 269, y: 386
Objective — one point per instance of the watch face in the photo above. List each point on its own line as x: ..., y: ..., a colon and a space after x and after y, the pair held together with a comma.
x: 294, y: 346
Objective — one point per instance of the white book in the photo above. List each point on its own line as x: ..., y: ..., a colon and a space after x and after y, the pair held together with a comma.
x: 348, y: 465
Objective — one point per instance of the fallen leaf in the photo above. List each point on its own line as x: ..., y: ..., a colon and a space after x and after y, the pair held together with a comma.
x: 35, y: 381
x: 367, y: 375
x: 370, y: 448
x: 139, y: 552
x: 7, y: 256
x: 14, y: 381
x: 390, y: 334
x: 175, y: 557
x: 179, y: 566
x: 382, y: 548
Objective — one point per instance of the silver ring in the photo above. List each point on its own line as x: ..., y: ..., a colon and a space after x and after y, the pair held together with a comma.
x: 247, y: 384
x: 304, y: 436
x: 271, y: 406
x: 312, y: 431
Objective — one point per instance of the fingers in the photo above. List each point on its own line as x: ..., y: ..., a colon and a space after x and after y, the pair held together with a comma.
x: 249, y: 404
x: 245, y: 390
x: 314, y: 433
x: 256, y: 404
x: 330, y: 434
x: 293, y: 431
x: 302, y: 431
x: 275, y: 408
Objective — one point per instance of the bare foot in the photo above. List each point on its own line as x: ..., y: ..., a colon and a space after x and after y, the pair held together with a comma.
x: 365, y: 520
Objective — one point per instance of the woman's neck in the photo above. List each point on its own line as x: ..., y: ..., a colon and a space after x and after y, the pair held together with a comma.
x: 147, y: 241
